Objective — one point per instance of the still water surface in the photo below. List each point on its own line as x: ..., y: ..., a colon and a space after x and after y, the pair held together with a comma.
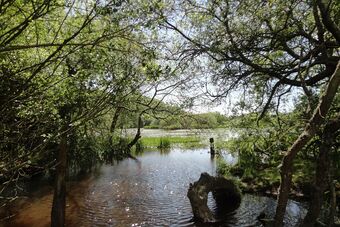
x: 148, y: 192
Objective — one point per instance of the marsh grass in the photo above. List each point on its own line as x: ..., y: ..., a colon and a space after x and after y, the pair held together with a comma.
x: 164, y: 143
x: 168, y: 141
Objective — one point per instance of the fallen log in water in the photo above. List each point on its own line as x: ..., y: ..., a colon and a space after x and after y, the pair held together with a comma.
x: 225, y: 192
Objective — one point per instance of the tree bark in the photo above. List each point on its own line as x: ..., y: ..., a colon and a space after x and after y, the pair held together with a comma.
x: 332, y: 208
x: 321, y: 182
x: 287, y: 163
x: 322, y: 175
x: 59, y: 197
x: 225, y: 192
x: 137, y: 136
x: 327, y: 21
x: 112, y: 129
x: 115, y: 120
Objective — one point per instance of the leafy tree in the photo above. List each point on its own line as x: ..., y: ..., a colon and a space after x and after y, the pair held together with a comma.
x: 269, y: 49
x: 63, y: 66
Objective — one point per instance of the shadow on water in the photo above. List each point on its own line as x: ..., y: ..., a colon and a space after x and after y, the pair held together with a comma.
x: 148, y: 192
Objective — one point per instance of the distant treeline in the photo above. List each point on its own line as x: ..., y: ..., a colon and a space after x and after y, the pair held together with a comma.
x: 187, y: 121
x: 177, y: 118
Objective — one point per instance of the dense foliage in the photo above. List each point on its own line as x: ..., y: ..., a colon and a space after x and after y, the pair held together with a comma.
x: 74, y: 74
x: 67, y: 71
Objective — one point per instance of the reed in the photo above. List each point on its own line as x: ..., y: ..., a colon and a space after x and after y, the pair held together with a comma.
x: 167, y: 141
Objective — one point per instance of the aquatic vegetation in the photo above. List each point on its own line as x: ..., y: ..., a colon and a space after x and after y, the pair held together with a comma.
x: 223, y: 168
x: 168, y: 141
x: 139, y: 147
x: 69, y: 92
x: 164, y: 143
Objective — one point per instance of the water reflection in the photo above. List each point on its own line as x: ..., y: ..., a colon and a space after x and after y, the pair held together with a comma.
x: 164, y: 151
x: 148, y: 192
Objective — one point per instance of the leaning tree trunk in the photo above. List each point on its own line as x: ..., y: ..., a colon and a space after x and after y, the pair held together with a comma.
x: 115, y: 120
x: 322, y: 174
x: 109, y: 156
x: 287, y: 163
x: 321, y: 182
x: 59, y: 197
x: 138, y: 134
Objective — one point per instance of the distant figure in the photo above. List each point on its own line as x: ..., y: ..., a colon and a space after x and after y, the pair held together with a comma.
x: 212, y: 147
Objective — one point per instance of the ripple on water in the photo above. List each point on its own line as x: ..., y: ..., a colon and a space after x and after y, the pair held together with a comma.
x: 152, y: 192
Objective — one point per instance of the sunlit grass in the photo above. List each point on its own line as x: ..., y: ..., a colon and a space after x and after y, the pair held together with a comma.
x: 168, y: 141
x: 164, y: 143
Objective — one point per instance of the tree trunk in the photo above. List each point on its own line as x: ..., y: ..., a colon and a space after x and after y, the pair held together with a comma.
x: 59, y: 197
x: 112, y: 129
x: 287, y: 163
x: 115, y: 120
x: 286, y: 174
x: 321, y: 182
x: 137, y: 136
x: 332, y: 208
x: 322, y: 176
x: 225, y: 192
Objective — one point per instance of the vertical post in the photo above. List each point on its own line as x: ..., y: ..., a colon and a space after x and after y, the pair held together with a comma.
x: 212, y: 146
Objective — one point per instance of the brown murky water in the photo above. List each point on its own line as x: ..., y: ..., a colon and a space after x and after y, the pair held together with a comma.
x: 148, y: 192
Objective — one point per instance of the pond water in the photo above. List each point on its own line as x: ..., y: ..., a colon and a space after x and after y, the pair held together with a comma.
x: 219, y: 133
x: 149, y: 191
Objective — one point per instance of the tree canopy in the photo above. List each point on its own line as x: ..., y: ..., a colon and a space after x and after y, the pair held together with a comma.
x: 72, y: 72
